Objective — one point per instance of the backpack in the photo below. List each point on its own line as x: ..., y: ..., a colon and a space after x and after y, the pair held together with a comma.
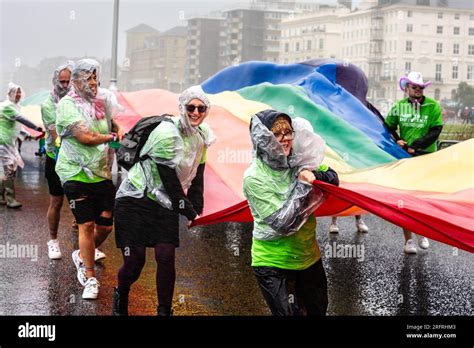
x: 130, y: 146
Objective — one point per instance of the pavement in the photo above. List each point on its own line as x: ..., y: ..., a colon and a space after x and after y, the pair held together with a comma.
x: 214, y: 276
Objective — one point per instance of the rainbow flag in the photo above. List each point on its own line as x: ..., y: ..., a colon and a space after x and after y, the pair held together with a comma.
x: 432, y: 195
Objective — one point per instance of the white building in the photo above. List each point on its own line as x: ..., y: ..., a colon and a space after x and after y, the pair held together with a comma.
x: 388, y: 38
x: 312, y: 35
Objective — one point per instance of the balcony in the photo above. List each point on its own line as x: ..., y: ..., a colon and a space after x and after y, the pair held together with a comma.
x: 274, y: 49
x: 375, y: 60
x: 433, y: 80
x: 376, y: 34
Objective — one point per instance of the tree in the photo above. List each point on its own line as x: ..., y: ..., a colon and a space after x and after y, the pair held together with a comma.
x: 465, y: 94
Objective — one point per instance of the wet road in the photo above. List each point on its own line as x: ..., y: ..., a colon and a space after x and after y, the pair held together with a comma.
x: 214, y: 276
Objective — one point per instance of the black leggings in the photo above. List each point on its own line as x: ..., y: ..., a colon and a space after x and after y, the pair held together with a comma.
x: 133, y: 262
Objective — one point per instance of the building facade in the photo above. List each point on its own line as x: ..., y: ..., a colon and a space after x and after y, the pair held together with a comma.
x: 313, y: 35
x: 389, y: 38
x: 254, y: 32
x: 202, y: 48
x: 155, y: 60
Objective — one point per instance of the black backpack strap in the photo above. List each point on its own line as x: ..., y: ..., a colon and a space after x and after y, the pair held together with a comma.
x: 144, y: 138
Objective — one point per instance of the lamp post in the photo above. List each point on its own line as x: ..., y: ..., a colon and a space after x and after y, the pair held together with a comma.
x: 113, y: 72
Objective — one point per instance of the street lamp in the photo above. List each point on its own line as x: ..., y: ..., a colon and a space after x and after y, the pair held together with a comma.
x: 113, y: 73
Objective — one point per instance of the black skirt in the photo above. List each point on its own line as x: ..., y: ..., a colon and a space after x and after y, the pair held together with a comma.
x: 143, y: 222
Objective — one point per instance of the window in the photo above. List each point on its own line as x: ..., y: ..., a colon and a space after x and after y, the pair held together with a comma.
x: 456, y: 30
x: 470, y: 50
x: 287, y: 47
x: 308, y: 45
x: 455, y: 72
x: 440, y: 15
x: 471, y: 31
x: 297, y: 46
x: 437, y: 93
x: 439, y: 47
x: 321, y: 44
x: 408, y: 46
x: 438, y: 72
x: 407, y: 67
x: 457, y: 16
x: 439, y: 29
x: 409, y: 14
x: 409, y: 28
x: 470, y: 72
x: 456, y: 48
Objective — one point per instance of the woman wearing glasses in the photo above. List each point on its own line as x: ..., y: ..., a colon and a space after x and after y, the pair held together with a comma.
x: 279, y: 188
x: 162, y: 194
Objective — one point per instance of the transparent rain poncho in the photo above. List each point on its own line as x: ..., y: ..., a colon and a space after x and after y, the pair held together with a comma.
x: 175, y: 144
x: 48, y: 108
x: 10, y: 129
x: 58, y: 90
x: 80, y: 111
x: 280, y: 203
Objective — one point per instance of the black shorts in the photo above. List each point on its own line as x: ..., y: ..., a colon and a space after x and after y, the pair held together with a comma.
x: 87, y: 201
x: 54, y: 184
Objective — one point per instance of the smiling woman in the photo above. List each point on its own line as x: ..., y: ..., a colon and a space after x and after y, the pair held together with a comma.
x: 163, y: 193
x: 278, y: 186
x: 196, y: 112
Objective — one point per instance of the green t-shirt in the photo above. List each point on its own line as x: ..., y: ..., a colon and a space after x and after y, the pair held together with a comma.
x: 78, y: 162
x: 8, y: 126
x: 265, y: 190
x: 164, y: 145
x: 415, y: 122
x: 48, y: 114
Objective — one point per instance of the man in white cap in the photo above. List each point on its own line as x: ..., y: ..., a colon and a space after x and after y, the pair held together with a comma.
x: 420, y: 121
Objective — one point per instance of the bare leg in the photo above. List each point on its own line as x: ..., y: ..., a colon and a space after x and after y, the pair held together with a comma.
x: 54, y: 214
x: 87, y: 247
x: 407, y: 234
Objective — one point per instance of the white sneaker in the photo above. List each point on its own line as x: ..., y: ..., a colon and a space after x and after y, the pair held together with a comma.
x: 361, y: 226
x: 81, y: 269
x: 76, y: 259
x: 333, y: 228
x: 91, y: 289
x: 410, y: 247
x: 99, y: 255
x: 54, y: 253
x: 423, y: 242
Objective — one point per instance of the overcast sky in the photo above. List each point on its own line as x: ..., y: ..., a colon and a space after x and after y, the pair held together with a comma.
x: 32, y: 30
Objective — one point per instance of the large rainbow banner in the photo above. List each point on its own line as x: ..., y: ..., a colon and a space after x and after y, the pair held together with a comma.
x: 432, y: 195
